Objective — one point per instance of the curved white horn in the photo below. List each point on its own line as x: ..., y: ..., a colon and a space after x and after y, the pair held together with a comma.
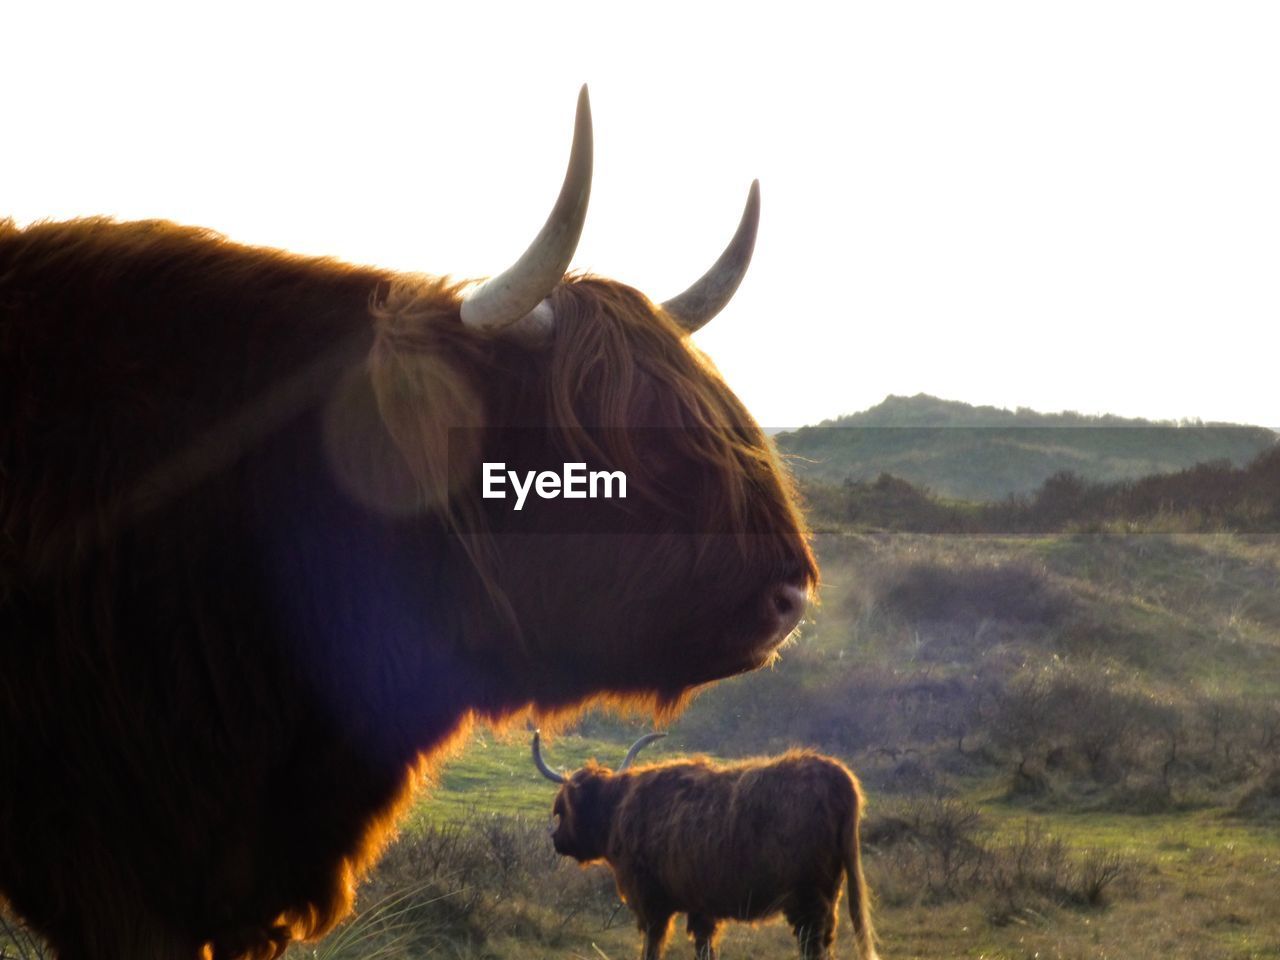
x: 636, y: 747
x: 708, y: 296
x: 514, y: 293
x: 542, y: 764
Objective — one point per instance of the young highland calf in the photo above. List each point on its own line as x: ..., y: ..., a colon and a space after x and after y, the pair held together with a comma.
x: 741, y: 841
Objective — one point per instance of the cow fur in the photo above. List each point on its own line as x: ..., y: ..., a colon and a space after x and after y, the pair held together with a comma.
x: 243, y: 604
x: 741, y: 841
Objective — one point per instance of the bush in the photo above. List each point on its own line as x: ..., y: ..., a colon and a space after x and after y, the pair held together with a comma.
x: 1261, y: 801
x: 970, y: 594
x: 937, y: 850
x: 925, y: 851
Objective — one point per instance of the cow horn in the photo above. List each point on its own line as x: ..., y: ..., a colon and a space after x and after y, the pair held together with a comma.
x: 636, y: 747
x: 708, y: 296
x: 519, y: 291
x: 542, y: 764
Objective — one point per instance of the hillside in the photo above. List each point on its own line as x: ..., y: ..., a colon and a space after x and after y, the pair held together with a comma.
x: 985, y: 453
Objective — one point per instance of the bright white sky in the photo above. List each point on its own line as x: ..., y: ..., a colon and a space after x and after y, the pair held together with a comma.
x: 1054, y: 205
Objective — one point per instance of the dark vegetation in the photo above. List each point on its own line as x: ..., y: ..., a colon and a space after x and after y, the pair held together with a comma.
x: 983, y: 453
x: 1208, y: 497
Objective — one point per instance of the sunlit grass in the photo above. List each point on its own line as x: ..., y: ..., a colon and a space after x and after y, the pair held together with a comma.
x: 495, y: 774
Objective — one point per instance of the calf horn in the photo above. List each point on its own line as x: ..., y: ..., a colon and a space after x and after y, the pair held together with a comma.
x: 709, y: 295
x: 636, y: 747
x: 518, y: 292
x: 542, y: 764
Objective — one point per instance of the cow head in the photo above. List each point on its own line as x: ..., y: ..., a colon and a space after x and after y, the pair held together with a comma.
x: 700, y: 573
x: 583, y: 808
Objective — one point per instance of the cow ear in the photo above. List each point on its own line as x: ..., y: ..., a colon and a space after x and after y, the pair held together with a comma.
x: 403, y: 440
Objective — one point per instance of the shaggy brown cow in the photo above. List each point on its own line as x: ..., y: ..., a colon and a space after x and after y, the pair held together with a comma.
x: 740, y: 841
x: 248, y: 582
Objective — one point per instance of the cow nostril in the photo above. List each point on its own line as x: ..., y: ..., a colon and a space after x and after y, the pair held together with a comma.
x: 788, y: 605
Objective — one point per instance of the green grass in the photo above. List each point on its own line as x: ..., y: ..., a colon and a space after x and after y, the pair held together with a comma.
x: 495, y: 774
x: 1201, y: 885
x: 1159, y: 837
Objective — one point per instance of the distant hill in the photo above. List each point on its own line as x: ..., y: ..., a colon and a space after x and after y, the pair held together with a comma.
x: 986, y: 453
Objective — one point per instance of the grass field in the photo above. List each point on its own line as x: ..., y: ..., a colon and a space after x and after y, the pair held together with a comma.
x: 1070, y: 746
x: 1195, y: 883
x: 495, y: 774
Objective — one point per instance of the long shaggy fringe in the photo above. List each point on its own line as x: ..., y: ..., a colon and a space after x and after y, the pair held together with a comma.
x: 606, y: 338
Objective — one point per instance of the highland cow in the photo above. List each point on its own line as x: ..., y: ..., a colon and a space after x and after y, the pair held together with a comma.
x: 740, y: 841
x: 249, y: 587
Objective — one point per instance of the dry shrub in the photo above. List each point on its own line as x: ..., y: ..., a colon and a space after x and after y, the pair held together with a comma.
x: 1149, y: 795
x: 924, y: 851
x: 1035, y: 869
x: 1099, y: 871
x: 937, y: 850
x: 1261, y: 801
x: 972, y: 593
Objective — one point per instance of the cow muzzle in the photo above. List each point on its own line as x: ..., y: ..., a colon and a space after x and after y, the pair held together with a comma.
x: 787, y: 604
